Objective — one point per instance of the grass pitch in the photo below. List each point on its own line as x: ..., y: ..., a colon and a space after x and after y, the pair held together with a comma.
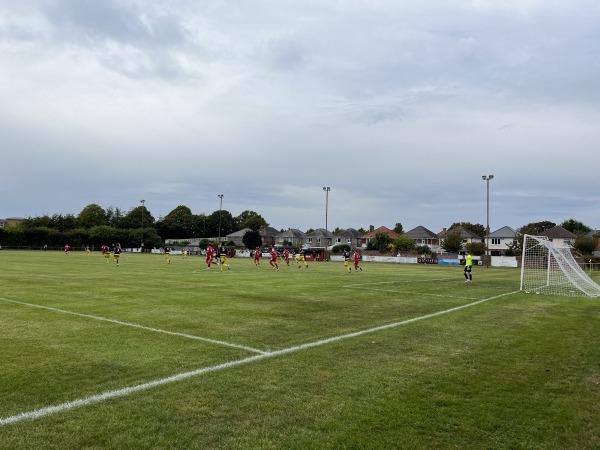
x: 150, y: 355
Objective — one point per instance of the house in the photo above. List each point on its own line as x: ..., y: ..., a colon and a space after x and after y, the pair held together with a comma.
x: 560, y: 237
x: 366, y: 238
x: 319, y: 238
x: 422, y: 236
x: 501, y: 240
x: 291, y: 236
x: 11, y: 222
x: 267, y: 235
x: 350, y: 236
x: 237, y: 237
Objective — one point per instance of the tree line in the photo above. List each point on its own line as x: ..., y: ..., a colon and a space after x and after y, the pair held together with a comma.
x: 95, y: 226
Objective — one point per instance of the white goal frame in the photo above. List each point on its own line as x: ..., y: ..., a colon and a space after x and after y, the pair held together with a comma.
x: 551, y: 270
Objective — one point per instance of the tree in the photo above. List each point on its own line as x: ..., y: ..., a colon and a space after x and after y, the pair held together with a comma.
x: 398, y: 228
x: 251, y: 219
x: 133, y: 219
x: 381, y: 242
x: 40, y: 221
x: 57, y: 221
x: 476, y: 228
x: 102, y: 235
x: 91, y: 216
x: 178, y: 224
x: 533, y: 229
x: 114, y: 216
x: 252, y: 239
x: 575, y: 227
x: 403, y: 243
x: 228, y: 222
x: 476, y: 248
x: 586, y: 245
x: 65, y: 223
x: 452, y: 241
x: 423, y: 249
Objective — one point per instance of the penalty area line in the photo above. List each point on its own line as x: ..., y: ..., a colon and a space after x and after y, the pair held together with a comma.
x: 50, y: 410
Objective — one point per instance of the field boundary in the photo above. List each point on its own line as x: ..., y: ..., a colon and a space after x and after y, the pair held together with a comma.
x: 50, y: 410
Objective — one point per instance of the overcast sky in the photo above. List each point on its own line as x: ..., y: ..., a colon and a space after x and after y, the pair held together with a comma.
x: 399, y: 107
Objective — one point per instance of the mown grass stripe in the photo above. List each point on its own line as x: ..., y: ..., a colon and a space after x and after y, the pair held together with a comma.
x: 30, y: 415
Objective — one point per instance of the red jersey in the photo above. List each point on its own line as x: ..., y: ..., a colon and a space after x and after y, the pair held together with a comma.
x: 286, y: 254
x: 273, y: 255
x: 210, y: 252
x: 257, y: 254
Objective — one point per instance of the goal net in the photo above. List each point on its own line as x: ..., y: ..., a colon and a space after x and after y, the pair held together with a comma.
x: 547, y: 269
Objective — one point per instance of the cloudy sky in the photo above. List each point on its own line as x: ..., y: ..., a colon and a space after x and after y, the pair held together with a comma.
x: 399, y: 107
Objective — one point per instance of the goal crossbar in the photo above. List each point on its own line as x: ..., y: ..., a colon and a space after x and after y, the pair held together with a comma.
x: 548, y: 269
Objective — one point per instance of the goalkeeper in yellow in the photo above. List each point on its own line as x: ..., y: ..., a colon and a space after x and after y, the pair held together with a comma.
x: 468, y: 268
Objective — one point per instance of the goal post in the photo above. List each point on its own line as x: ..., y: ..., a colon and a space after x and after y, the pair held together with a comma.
x: 548, y: 269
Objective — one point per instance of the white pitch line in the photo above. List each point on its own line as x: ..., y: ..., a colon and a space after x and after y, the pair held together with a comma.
x: 49, y: 410
x: 417, y: 293
x: 421, y: 281
x: 367, y: 286
x: 137, y: 325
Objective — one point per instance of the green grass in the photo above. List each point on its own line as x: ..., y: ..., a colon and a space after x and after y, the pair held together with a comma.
x: 516, y: 371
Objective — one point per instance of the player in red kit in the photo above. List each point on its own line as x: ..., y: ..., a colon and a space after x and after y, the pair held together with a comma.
x: 356, y: 259
x: 286, y: 256
x: 273, y: 261
x: 210, y: 255
x: 257, y: 257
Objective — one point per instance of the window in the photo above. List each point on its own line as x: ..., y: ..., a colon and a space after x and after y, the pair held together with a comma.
x: 495, y: 241
x: 309, y: 240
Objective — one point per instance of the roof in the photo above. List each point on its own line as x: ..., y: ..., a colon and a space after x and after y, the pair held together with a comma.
x: 464, y: 233
x: 352, y: 232
x: 382, y: 229
x: 268, y: 231
x: 320, y: 232
x: 504, y: 232
x: 239, y: 232
x: 594, y: 234
x: 292, y: 232
x: 558, y: 232
x: 421, y: 232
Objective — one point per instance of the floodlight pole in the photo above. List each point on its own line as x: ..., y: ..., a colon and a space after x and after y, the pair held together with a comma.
x: 142, y: 238
x: 487, y: 179
x: 326, y: 189
x: 220, y: 208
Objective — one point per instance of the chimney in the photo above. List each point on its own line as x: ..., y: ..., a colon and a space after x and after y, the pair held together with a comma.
x: 371, y: 228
